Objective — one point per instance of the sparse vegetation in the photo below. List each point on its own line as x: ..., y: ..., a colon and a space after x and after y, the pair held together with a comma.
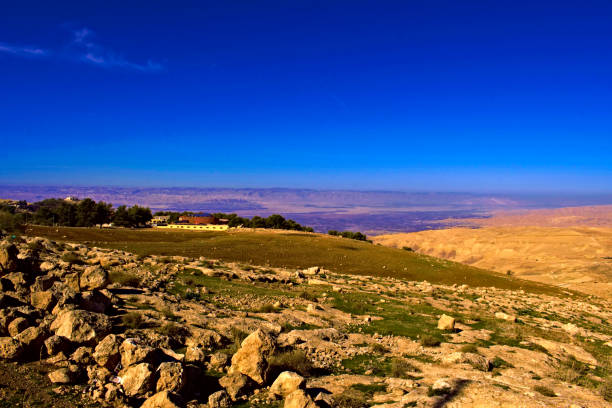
x: 292, y: 360
x: 72, y: 258
x: 124, y: 278
x: 546, y: 391
x: 429, y: 341
x: 132, y: 320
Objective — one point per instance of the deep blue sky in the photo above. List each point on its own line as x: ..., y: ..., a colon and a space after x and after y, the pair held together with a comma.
x: 408, y: 95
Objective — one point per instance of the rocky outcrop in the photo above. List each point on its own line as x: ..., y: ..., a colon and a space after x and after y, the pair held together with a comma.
x: 286, y: 383
x: 81, y: 327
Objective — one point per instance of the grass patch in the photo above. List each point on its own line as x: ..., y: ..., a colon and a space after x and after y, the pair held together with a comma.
x: 295, y: 251
x: 469, y: 348
x: 124, y: 279
x: 172, y: 330
x: 370, y: 389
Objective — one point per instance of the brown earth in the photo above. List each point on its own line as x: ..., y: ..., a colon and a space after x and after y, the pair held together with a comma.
x: 578, y: 258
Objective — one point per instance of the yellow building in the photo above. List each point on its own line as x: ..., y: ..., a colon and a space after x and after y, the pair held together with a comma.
x: 197, y: 227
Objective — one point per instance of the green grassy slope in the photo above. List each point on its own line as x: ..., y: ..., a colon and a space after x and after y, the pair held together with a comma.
x: 291, y: 250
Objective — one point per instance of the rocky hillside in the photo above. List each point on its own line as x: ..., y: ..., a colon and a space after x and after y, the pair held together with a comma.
x: 578, y: 258
x: 83, y: 326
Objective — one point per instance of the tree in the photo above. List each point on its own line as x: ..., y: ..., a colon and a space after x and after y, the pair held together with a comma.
x: 139, y: 215
x: 121, y: 217
x: 103, y: 213
x: 86, y: 213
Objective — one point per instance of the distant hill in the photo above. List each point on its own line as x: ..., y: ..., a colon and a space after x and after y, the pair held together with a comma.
x: 579, y: 258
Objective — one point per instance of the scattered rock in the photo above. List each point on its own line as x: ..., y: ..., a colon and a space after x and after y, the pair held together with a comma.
x: 163, y: 399
x: 81, y: 327
x: 446, y: 323
x: 219, y: 399
x: 65, y: 375
x: 171, y: 377
x: 107, y: 352
x: 93, y: 277
x: 252, y: 357
x: 10, y: 349
x: 286, y: 383
x: 505, y: 316
x: 236, y: 384
x: 299, y: 399
x: 137, y: 380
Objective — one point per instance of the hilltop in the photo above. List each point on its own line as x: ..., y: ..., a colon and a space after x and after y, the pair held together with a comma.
x: 88, y: 326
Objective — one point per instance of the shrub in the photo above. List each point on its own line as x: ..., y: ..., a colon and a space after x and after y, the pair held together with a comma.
x: 36, y: 246
x: 132, y: 320
x: 172, y: 330
x: 124, y: 278
x: 400, y: 367
x: 605, y: 389
x: 308, y: 296
x: 547, y: 392
x: 429, y: 341
x: 267, y: 308
x: 292, y: 360
x: 350, y: 399
x: 72, y: 258
x: 499, y: 362
x: 408, y: 249
x: 379, y: 348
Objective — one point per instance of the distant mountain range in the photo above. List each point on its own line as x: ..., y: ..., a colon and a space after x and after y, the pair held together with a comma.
x: 367, y: 211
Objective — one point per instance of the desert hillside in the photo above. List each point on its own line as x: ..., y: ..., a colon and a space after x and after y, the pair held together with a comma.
x: 578, y: 258
x: 82, y: 326
x: 585, y: 216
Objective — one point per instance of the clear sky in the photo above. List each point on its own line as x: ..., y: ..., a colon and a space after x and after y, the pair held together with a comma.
x: 407, y: 95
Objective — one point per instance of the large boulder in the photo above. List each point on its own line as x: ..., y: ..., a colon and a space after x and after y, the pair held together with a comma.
x: 93, y: 277
x: 107, y: 352
x: 172, y: 377
x: 80, y: 326
x: 8, y: 258
x: 236, y: 384
x: 252, y: 357
x: 134, y: 352
x: 10, y: 349
x: 137, y: 380
x: 299, y: 399
x: 163, y: 399
x: 286, y: 383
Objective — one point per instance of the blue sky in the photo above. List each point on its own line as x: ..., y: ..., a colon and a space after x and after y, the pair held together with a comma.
x: 406, y: 95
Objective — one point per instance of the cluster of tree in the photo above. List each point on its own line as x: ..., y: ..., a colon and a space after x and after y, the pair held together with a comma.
x: 274, y: 221
x: 10, y: 220
x: 349, y: 234
x: 86, y: 213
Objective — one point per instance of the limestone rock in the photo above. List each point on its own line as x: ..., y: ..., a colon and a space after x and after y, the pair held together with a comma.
x: 8, y: 258
x: 95, y: 301
x: 57, y: 344
x: 133, y: 352
x: 219, y: 399
x: 505, y: 316
x: 33, y: 340
x: 93, y: 277
x: 195, y: 355
x: 236, y: 384
x: 252, y: 357
x: 42, y: 300
x: 82, y: 356
x: 171, y: 377
x: 286, y: 383
x: 163, y: 399
x: 80, y: 326
x: 107, y: 352
x: 17, y: 325
x: 65, y: 375
x: 446, y: 323
x: 10, y: 349
x: 137, y: 380
x: 299, y: 399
